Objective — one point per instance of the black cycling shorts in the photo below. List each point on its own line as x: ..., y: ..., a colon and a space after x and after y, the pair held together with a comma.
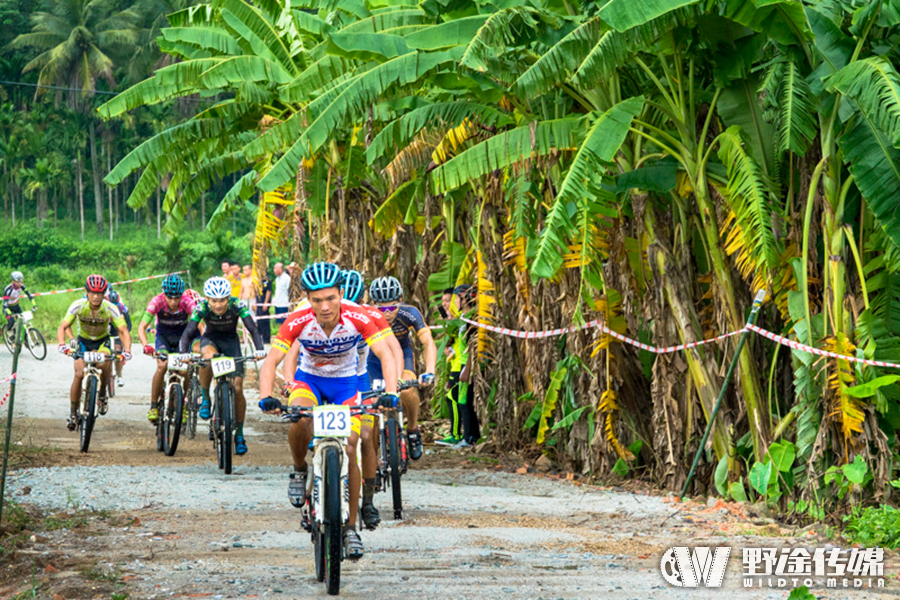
x: 229, y: 346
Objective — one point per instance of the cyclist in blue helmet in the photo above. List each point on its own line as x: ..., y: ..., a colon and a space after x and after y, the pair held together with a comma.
x: 329, y: 330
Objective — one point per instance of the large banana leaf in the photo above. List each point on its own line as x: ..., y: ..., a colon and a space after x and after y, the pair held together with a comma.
x: 388, y: 20
x: 235, y: 70
x: 797, y: 126
x: 445, y: 35
x: 507, y: 148
x: 738, y: 105
x: 249, y: 22
x: 781, y: 20
x: 875, y: 165
x: 600, y: 146
x: 875, y: 84
x: 210, y: 38
x: 311, y: 23
x: 494, y: 34
x: 317, y: 76
x: 622, y: 15
x: 750, y: 195
x: 354, y: 100
x: 401, y: 131
x: 180, y: 79
x: 561, y: 61
x: 367, y: 46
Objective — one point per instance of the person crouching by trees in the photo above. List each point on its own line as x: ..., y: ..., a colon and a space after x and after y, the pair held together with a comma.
x: 460, y: 394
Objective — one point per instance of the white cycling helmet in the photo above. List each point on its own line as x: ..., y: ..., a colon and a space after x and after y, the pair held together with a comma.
x: 217, y: 287
x: 385, y: 289
x: 17, y: 276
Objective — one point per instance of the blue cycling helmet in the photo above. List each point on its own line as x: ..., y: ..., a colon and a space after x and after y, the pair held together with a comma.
x: 114, y: 296
x: 353, y: 285
x: 173, y: 285
x: 217, y: 287
x: 321, y: 275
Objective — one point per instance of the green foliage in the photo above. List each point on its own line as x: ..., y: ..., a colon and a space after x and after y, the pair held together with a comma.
x: 873, y: 526
x: 801, y: 593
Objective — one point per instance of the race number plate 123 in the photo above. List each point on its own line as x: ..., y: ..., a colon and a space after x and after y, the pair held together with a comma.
x: 223, y: 366
x: 331, y: 421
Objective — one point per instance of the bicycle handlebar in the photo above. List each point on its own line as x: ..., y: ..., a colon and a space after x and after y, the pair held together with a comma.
x: 295, y: 413
x: 403, y: 385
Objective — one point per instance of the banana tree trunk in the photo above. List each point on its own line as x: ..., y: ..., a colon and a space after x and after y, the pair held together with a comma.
x: 748, y: 378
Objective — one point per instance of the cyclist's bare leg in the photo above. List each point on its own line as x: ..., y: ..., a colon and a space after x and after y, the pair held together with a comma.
x: 240, y: 402
x: 299, y: 436
x: 119, y: 363
x: 369, y: 465
x: 410, y: 400
x: 207, y: 352
x: 156, y: 386
x: 75, y: 390
x: 105, y: 374
x: 355, y: 482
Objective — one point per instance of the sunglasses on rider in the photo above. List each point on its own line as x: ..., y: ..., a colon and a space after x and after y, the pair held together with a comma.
x: 387, y: 309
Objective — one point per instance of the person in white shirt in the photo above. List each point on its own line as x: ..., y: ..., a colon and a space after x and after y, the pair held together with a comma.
x: 281, y: 300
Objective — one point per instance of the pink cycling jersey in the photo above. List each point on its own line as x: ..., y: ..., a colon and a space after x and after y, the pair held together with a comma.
x: 167, y: 321
x: 334, y: 355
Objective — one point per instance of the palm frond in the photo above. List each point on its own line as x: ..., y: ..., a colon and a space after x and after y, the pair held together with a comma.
x: 875, y: 84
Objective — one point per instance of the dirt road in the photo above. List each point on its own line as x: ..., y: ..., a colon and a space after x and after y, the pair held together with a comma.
x: 127, y: 522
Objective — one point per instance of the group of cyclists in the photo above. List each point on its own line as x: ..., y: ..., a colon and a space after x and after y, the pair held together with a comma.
x: 333, y: 348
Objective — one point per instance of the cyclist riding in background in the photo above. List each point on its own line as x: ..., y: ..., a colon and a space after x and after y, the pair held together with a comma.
x: 386, y: 293
x: 221, y: 313
x: 94, y: 314
x: 113, y: 296
x: 329, y: 331
x: 11, y: 296
x: 171, y: 310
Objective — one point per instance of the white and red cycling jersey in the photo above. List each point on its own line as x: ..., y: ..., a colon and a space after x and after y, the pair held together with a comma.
x: 335, y: 355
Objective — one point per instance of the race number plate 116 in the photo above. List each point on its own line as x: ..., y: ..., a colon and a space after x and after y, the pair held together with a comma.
x: 331, y: 421
x: 223, y: 366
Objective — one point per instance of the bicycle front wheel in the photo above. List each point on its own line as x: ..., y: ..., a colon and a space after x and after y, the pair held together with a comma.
x: 224, y: 426
x: 174, y: 413
x: 334, y: 524
x: 88, y: 414
x: 195, y: 396
x: 393, y: 431
x: 36, y: 344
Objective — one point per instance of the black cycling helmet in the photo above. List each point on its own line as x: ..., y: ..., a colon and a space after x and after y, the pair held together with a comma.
x: 385, y: 289
x: 321, y: 275
x: 466, y: 293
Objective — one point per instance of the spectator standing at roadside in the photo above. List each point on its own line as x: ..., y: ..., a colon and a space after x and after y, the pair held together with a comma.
x: 461, y: 392
x: 281, y: 298
x: 262, y: 307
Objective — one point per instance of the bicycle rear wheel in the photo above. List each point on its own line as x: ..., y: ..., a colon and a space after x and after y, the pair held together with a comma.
x: 334, y: 525
x: 172, y: 423
x: 36, y: 344
x: 88, y: 415
x: 393, y: 431
x: 195, y: 396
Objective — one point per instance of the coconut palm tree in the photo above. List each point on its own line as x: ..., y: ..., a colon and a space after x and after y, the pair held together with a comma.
x: 80, y: 42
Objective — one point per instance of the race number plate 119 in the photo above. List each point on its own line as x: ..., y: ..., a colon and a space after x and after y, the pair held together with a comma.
x: 331, y: 421
x: 223, y: 366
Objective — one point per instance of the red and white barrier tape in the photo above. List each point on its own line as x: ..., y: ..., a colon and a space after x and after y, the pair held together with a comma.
x: 79, y: 289
x: 804, y: 348
x: 529, y: 335
x: 8, y: 379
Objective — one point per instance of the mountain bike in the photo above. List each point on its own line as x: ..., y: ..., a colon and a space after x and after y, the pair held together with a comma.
x: 90, y: 388
x: 393, y: 459
x: 222, y: 425
x: 195, y: 396
x: 327, y: 507
x: 32, y: 338
x: 171, y: 406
